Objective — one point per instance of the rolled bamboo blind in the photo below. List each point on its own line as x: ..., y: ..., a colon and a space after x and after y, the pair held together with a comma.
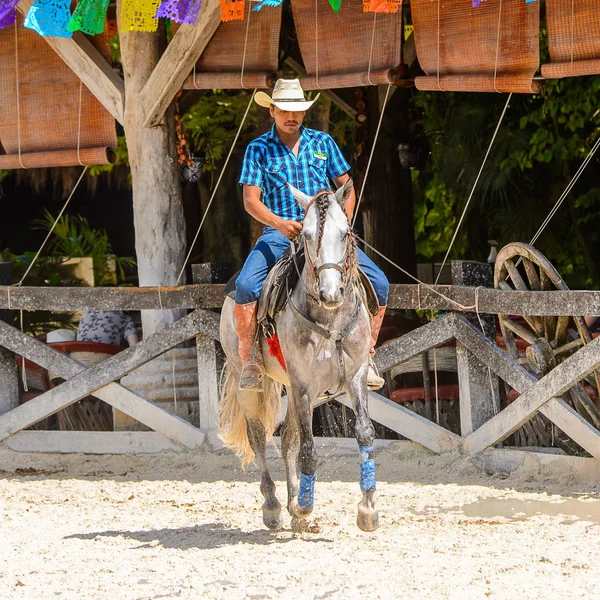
x: 348, y: 49
x: 493, y: 47
x: 49, y: 119
x: 234, y: 60
x: 573, y: 38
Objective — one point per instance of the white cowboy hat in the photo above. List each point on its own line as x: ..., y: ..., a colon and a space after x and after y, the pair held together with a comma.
x: 287, y: 95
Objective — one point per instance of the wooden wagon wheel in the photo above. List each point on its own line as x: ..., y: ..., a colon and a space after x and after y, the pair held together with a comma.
x: 551, y: 339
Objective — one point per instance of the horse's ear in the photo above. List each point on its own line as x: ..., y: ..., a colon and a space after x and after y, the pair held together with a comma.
x: 343, y: 193
x: 302, y: 199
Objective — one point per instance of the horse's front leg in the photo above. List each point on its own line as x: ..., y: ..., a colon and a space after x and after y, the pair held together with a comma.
x: 301, y: 497
x: 368, y: 517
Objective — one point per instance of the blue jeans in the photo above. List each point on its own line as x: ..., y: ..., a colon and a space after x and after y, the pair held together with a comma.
x: 267, y: 251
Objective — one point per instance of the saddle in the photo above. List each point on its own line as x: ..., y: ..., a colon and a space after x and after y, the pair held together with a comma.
x: 284, y: 276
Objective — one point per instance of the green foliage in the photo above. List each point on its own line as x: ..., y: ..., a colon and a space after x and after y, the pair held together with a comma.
x: 74, y: 237
x: 214, y: 120
x: 542, y: 142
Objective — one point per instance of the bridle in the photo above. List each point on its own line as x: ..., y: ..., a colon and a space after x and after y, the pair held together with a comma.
x: 344, y: 266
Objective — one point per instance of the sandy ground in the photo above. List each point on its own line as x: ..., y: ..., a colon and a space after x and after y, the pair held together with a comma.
x: 189, y: 526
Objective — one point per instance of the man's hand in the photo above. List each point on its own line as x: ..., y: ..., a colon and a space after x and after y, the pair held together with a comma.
x: 291, y: 229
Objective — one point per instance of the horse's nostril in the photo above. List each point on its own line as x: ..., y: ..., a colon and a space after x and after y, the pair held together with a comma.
x: 342, y: 289
x: 322, y: 297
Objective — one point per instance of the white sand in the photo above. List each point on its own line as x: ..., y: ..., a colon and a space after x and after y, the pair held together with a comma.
x: 189, y: 526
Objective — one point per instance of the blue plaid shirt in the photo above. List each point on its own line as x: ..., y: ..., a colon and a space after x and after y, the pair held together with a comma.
x: 269, y: 164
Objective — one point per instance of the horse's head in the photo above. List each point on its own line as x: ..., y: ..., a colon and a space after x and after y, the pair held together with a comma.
x: 327, y: 242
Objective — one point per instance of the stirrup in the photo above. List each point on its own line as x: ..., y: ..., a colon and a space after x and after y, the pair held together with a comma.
x: 251, y: 378
x: 374, y: 380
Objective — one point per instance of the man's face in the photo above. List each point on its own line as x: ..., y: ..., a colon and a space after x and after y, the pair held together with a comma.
x: 287, y: 121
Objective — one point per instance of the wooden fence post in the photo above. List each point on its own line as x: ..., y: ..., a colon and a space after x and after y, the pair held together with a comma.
x: 9, y: 378
x: 210, y: 354
x: 478, y: 386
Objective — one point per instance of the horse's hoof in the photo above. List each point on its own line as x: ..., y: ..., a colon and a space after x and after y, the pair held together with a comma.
x: 298, y: 512
x: 299, y: 525
x: 367, y: 518
x: 272, y: 516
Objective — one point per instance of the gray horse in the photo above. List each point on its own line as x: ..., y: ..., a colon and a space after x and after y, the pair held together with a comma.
x: 324, y: 334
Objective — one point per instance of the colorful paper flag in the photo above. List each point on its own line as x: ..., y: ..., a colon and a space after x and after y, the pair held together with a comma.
x: 180, y: 11
x: 89, y: 16
x: 49, y: 18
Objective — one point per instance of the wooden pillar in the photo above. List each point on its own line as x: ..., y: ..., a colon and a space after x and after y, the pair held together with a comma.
x: 210, y: 354
x: 478, y: 386
x: 157, y: 198
x: 9, y: 377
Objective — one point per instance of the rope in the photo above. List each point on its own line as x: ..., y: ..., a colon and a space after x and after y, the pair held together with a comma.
x: 568, y: 189
x: 79, y: 122
x: 497, y: 45
x: 437, y: 394
x: 60, y: 214
x: 249, y: 11
x: 212, y: 197
x: 572, y: 36
x: 18, y: 94
x: 438, y: 47
x: 362, y: 188
x: 473, y: 189
x: 24, y: 370
x: 421, y: 283
x: 317, y: 45
x: 371, y: 51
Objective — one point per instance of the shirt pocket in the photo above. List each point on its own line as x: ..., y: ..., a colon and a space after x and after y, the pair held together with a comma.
x: 276, y: 173
x: 318, y: 171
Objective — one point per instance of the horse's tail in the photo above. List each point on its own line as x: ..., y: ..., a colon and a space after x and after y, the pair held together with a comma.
x: 265, y: 407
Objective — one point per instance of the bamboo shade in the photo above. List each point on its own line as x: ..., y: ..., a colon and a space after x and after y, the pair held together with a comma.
x: 573, y: 38
x: 252, y: 44
x: 493, y: 47
x: 44, y: 118
x: 348, y: 49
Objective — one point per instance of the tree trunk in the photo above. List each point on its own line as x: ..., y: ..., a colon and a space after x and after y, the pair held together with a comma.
x: 157, y: 202
x: 387, y: 202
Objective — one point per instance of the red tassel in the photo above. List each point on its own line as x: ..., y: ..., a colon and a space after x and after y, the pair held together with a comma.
x: 275, y: 350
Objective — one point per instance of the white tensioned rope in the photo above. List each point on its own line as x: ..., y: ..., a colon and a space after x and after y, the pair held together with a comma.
x: 572, y: 36
x: 497, y: 45
x: 364, y: 183
x: 464, y: 212
x: 60, y: 214
x: 79, y: 122
x: 245, y: 45
x: 421, y: 283
x: 438, y: 48
x: 371, y: 51
x: 212, y: 197
x: 568, y: 189
x: 317, y: 44
x: 17, y: 85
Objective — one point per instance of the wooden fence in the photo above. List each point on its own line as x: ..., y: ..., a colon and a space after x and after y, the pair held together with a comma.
x: 480, y: 363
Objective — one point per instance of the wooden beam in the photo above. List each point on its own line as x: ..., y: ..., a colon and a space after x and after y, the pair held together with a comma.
x: 124, y: 298
x: 558, y: 411
x: 82, y: 382
x: 402, y: 296
x: 90, y: 66
x: 176, y: 63
x: 91, y: 442
x: 554, y: 384
x: 424, y: 338
x: 409, y: 424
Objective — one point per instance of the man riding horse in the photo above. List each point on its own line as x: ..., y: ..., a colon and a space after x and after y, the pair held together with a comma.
x: 308, y: 160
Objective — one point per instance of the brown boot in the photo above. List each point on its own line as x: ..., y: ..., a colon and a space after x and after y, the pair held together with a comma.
x: 374, y: 381
x: 251, y: 377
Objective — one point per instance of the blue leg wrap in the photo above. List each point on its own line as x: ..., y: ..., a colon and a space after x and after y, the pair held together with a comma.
x: 367, y: 469
x: 306, y: 495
